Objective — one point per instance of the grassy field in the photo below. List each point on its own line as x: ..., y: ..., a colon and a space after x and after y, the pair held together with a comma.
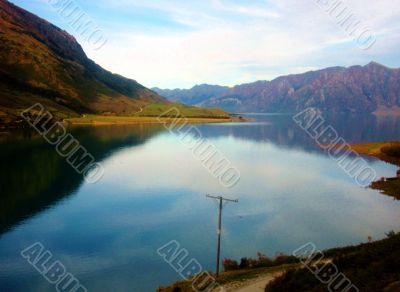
x: 156, y: 109
x: 149, y: 114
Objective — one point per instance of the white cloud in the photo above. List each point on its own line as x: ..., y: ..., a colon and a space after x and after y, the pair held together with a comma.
x: 276, y: 37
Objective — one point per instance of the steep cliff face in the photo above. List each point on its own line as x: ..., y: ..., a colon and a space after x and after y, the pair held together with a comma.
x: 363, y: 89
x: 42, y: 63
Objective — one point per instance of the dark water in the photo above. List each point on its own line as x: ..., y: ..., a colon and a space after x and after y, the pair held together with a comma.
x: 153, y: 191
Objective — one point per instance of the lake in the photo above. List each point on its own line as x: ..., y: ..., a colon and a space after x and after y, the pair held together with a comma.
x: 154, y: 191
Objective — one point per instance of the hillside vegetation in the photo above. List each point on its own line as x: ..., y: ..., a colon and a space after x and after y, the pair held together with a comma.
x: 371, y: 267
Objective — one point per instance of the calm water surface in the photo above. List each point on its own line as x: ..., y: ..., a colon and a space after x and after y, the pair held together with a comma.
x: 153, y: 192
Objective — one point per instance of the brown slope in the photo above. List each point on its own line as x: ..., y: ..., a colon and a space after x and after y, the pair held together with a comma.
x: 41, y: 63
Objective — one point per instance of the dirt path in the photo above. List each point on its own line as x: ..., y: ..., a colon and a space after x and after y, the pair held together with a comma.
x: 141, y: 110
x: 254, y: 285
x: 259, y: 283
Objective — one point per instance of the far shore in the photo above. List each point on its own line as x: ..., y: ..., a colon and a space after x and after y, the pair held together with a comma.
x: 383, y: 111
x: 114, y: 120
x: 386, y: 151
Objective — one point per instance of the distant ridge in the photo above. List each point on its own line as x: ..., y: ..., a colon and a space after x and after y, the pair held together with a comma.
x: 194, y: 96
x: 362, y: 89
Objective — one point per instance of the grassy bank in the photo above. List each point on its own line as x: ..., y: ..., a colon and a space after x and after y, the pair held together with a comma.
x: 370, y: 267
x: 386, y: 151
x: 148, y: 114
x: 111, y: 120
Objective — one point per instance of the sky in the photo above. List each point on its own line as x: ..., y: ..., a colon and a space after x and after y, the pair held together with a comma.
x: 181, y: 43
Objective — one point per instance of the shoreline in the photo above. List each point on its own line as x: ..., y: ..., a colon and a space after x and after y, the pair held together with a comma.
x: 118, y: 120
x: 105, y: 120
x: 388, y: 152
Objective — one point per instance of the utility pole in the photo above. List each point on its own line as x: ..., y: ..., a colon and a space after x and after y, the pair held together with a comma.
x: 221, y: 200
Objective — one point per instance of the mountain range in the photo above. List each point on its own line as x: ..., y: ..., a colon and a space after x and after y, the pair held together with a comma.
x: 372, y: 88
x: 40, y: 62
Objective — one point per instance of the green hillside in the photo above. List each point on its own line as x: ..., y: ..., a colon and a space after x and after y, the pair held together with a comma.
x: 41, y: 63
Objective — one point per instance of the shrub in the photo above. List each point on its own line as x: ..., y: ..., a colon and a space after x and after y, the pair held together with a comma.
x: 230, y: 265
x: 262, y: 261
x: 244, y: 263
x: 393, y: 151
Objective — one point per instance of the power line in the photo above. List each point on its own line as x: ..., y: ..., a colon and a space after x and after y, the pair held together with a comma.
x: 221, y: 200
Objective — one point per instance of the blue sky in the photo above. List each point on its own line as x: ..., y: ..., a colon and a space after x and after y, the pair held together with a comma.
x: 180, y: 43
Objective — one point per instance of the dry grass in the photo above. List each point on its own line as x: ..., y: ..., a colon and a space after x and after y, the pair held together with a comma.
x: 386, y: 151
x: 380, y: 150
